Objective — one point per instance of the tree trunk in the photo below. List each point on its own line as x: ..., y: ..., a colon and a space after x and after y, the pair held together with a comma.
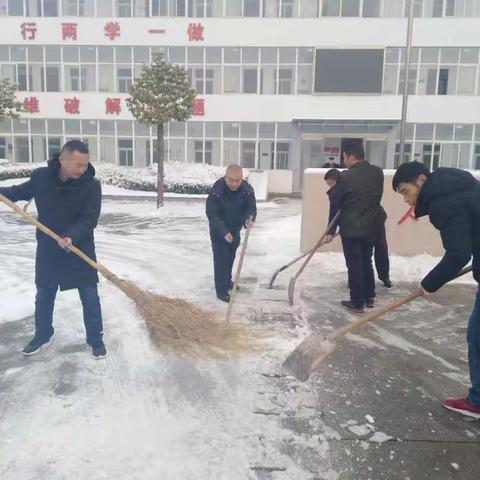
x: 160, y: 173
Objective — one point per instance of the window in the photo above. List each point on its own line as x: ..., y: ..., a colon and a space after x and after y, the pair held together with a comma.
x: 466, y: 80
x: 125, y: 152
x: 304, y: 84
x: 283, y: 150
x: 15, y: 8
x: 371, y: 8
x: 247, y: 158
x: 350, y: 8
x: 52, y: 73
x: 249, y: 80
x: 198, y: 151
x: 287, y: 9
x: 159, y: 8
x: 442, y: 81
x: 124, y: 79
x: 54, y: 145
x: 309, y: 8
x: 123, y: 8
x: 233, y: 8
x: 331, y: 8
x: 72, y: 79
x: 231, y: 80
x: 284, y: 81
x: 477, y: 157
x: 251, y: 8
x: 50, y: 8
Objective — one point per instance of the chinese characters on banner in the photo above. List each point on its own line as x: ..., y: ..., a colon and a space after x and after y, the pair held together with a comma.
x: 31, y: 105
x: 28, y: 30
x: 199, y: 107
x: 195, y: 32
x: 113, y: 106
x: 71, y: 105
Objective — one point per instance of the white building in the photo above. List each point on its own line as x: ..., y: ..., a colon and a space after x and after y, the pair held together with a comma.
x: 282, y: 84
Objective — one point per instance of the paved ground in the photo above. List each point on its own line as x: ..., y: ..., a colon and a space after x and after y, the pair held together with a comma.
x: 371, y: 412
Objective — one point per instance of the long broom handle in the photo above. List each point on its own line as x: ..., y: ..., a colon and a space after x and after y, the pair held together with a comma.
x: 382, y: 310
x: 317, y: 245
x: 239, y: 268
x: 104, y: 271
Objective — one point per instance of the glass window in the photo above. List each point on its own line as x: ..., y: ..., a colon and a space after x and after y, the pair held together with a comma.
x: 309, y: 8
x: 72, y: 79
x: 371, y: 8
x: 331, y: 8
x: 268, y: 80
x: 283, y: 154
x: 247, y: 157
x: 285, y: 81
x: 268, y: 55
x: 15, y: 8
x: 123, y: 54
x: 35, y: 54
x: 213, y: 129
x: 233, y: 8
x: 106, y: 81
x: 429, y: 55
x: 55, y: 127
x: 53, y: 78
x: 141, y: 129
x: 35, y: 78
x: 18, y: 54
x: 449, y: 55
x: 125, y: 152
x: 52, y: 54
x: 287, y: 55
x: 70, y: 54
x: 4, y: 56
x: 176, y: 54
x: 251, y: 8
x: 249, y: 80
x: 270, y: 8
x: 38, y: 148
x: 444, y: 131
x: 248, y: 130
x: 466, y: 80
x: 284, y: 130
x: 304, y: 84
x: 195, y: 54
x: 105, y: 54
x: 464, y: 155
x: 266, y: 130
x: 427, y: 81
x: 213, y: 55
x: 231, y: 130
x: 123, y: 8
x: 141, y: 54
x: 424, y: 131
x: 21, y: 149
x: 468, y: 55
x: 305, y: 55
x: 177, y: 129
x: 107, y: 127
x: 72, y: 127
x: 463, y: 132
x: 50, y: 8
x: 392, y: 8
x: 250, y: 55
x: 124, y: 127
x: 392, y: 55
x: 449, y: 155
x: 195, y: 129
x: 88, y: 54
x: 89, y: 127
x: 20, y: 125
x: 231, y: 55
x: 124, y: 78
x: 390, y: 79
x: 87, y: 73
x: 37, y: 126
x: 350, y: 8
x: 231, y: 80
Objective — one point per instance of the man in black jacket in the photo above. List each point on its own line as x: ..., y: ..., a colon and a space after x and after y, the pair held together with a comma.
x: 230, y: 205
x: 451, y: 199
x: 358, y: 197
x: 68, y: 200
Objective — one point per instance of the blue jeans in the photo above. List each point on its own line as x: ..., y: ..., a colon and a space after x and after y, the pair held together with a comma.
x: 92, y: 313
x: 473, y: 338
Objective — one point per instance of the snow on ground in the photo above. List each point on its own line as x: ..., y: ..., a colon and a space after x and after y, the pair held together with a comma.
x: 141, y: 414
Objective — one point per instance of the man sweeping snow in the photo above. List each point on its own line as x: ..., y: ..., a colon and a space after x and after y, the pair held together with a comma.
x: 451, y: 199
x: 230, y: 204
x: 68, y: 200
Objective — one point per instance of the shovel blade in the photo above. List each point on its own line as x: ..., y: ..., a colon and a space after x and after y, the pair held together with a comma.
x: 308, y: 356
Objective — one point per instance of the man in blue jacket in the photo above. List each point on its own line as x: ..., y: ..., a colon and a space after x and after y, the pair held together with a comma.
x: 68, y: 200
x: 230, y: 205
x: 451, y: 199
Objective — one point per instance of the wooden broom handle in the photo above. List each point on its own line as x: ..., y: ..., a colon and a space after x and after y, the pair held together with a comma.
x: 104, y: 271
x: 382, y: 310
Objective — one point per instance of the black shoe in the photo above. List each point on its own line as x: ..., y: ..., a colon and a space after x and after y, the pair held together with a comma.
x: 387, y: 283
x: 35, y: 345
x: 224, y: 298
x: 98, y: 350
x: 231, y: 286
x: 370, y: 302
x: 349, y: 305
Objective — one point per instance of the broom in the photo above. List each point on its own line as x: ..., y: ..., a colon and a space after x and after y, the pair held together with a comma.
x: 173, y: 324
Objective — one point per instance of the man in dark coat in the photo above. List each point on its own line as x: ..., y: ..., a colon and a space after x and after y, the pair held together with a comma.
x: 358, y: 197
x: 230, y: 205
x: 451, y: 199
x: 68, y: 200
x: 382, y: 260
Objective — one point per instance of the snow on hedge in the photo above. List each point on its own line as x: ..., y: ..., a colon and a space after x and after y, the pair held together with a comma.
x: 180, y: 177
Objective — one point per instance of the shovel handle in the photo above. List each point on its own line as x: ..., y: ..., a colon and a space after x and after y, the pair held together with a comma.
x: 105, y: 272
x: 382, y: 310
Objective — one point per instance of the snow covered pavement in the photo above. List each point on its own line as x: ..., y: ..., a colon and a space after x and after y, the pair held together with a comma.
x: 141, y: 414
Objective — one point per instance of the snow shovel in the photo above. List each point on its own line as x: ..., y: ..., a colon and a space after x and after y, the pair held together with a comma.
x: 314, y: 350
x: 239, y: 269
x: 291, y: 285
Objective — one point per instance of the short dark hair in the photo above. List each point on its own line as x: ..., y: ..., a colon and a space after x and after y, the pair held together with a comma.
x: 332, y: 174
x: 331, y: 158
x: 74, y: 146
x: 408, y: 173
x: 354, y: 149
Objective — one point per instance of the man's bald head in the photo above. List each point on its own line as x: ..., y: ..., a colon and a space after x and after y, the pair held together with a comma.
x: 234, y: 177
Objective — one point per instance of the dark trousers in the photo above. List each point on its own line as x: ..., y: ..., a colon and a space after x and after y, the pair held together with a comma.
x: 92, y: 313
x: 473, y: 338
x: 223, y: 258
x: 361, y: 279
x: 382, y: 262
